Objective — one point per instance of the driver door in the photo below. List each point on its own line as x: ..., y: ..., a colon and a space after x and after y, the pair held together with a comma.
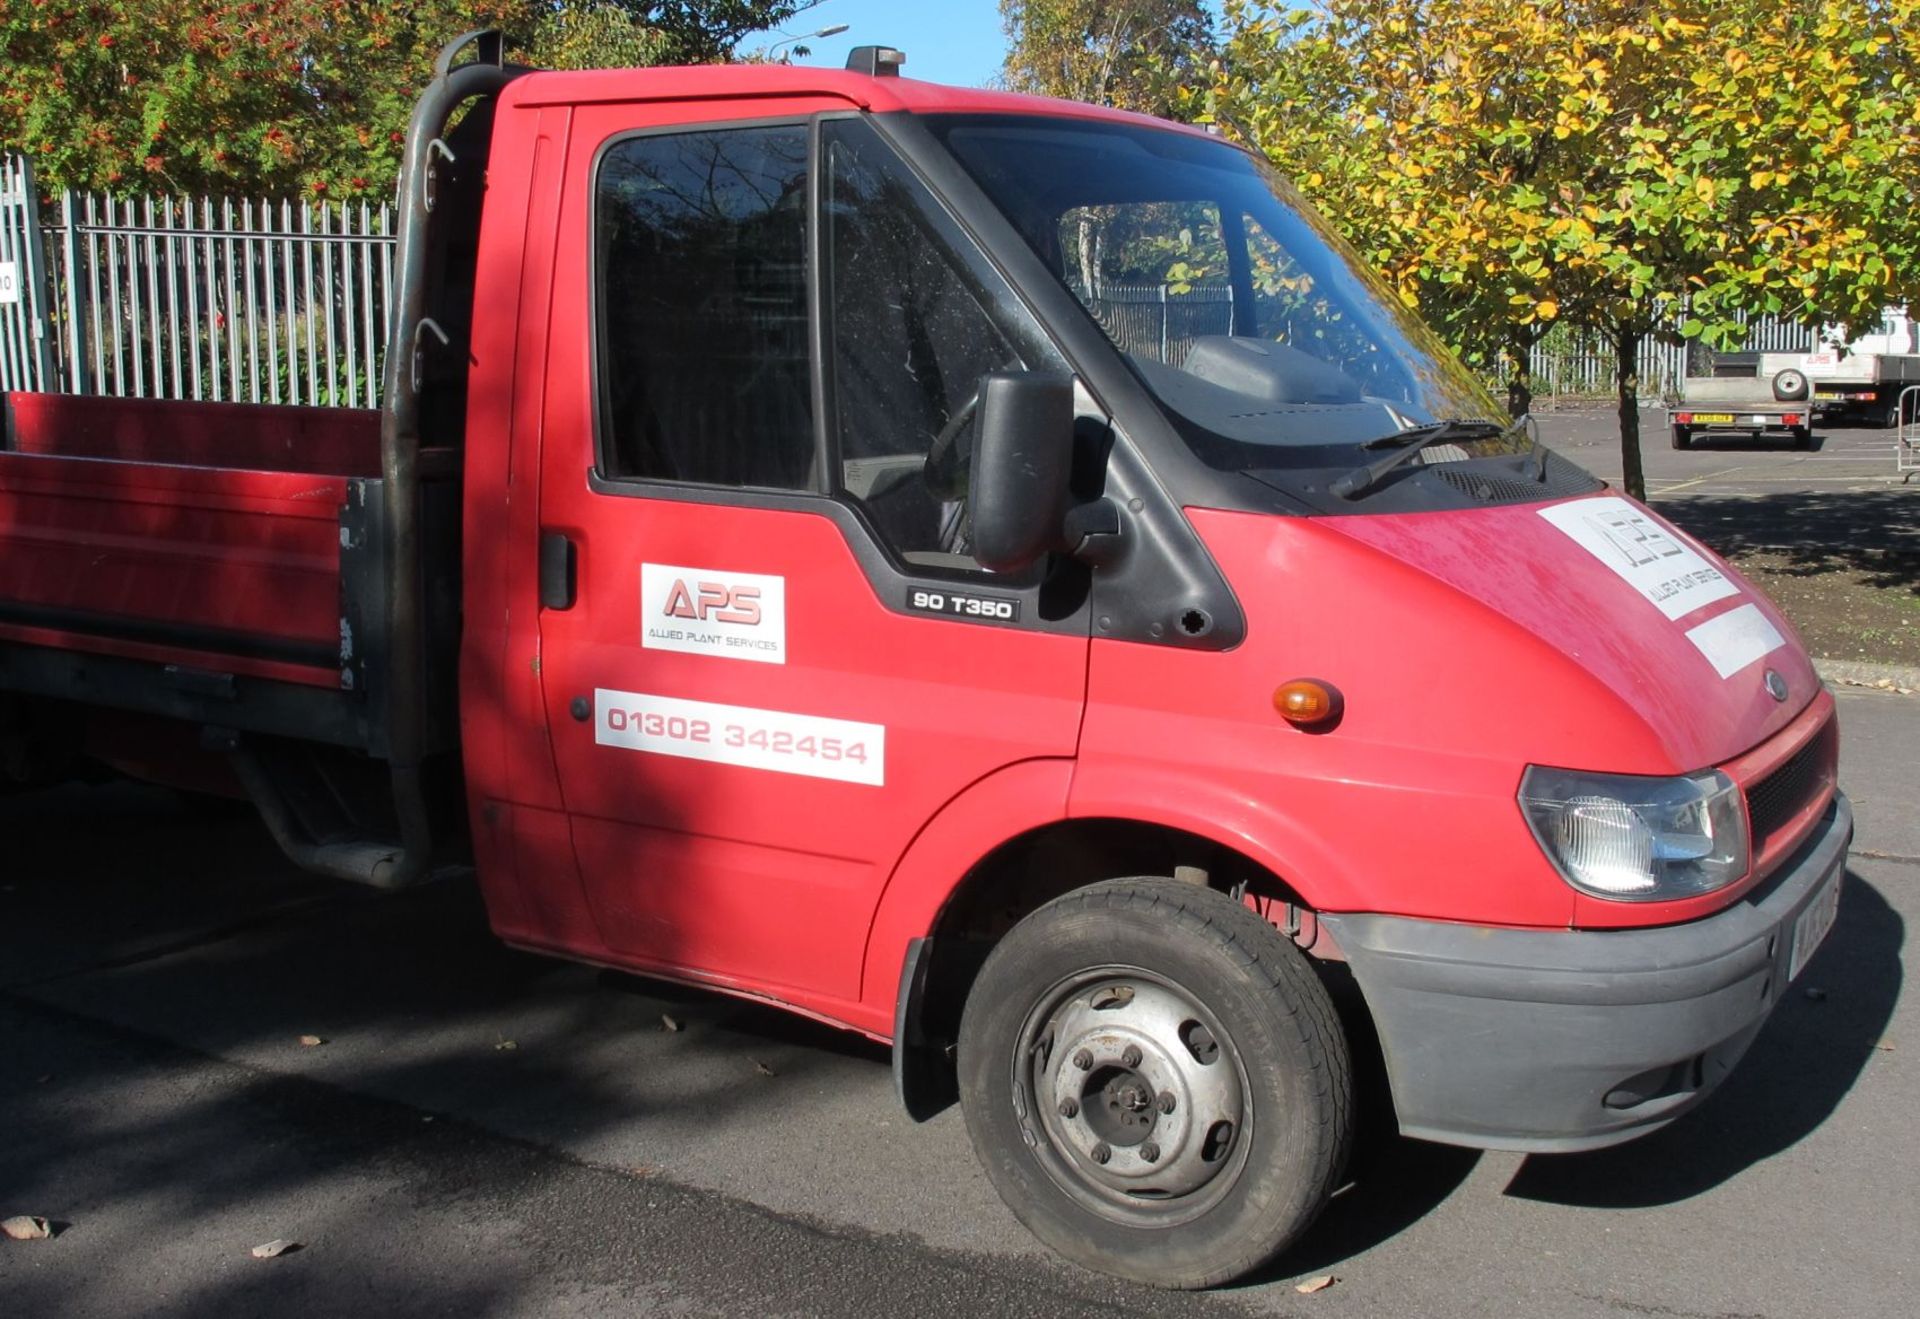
x: 779, y: 661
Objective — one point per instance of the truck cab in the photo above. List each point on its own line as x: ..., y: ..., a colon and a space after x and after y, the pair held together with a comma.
x: 998, y: 575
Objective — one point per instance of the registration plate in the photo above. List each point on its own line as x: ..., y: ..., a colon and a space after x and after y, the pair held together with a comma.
x: 1810, y: 929
x: 1710, y: 418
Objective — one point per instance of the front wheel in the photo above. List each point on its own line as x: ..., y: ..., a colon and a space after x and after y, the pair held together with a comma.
x: 1156, y: 1082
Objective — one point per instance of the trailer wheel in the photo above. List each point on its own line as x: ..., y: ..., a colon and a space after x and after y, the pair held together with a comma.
x: 1803, y: 437
x: 1682, y: 438
x: 1156, y: 1082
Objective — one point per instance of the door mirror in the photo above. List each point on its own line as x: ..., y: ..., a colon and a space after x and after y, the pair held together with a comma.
x: 1022, y: 462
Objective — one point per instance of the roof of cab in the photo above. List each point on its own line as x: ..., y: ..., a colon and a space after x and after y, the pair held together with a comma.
x: 734, y: 82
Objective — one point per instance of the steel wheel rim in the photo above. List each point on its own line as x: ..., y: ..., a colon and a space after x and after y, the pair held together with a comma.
x: 1133, y: 1097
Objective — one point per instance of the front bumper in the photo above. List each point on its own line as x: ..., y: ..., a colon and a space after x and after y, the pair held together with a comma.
x: 1562, y: 1040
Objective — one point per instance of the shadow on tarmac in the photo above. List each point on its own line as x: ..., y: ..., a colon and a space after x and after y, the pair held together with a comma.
x: 1872, y: 532
x: 1820, y: 1039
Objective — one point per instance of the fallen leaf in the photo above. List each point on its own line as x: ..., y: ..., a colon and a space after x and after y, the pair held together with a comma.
x: 1885, y: 1046
x: 506, y: 1046
x: 670, y: 1023
x: 763, y: 1069
x: 26, y: 1227
x: 274, y: 1249
x: 311, y: 1041
x: 1312, y: 1285
x: 1817, y: 995
x: 42, y: 1080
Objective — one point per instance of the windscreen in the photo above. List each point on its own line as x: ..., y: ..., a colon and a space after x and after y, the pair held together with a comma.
x: 1262, y: 333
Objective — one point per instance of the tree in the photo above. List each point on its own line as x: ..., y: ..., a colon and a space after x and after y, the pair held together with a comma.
x: 1102, y: 50
x: 1507, y: 164
x: 277, y: 95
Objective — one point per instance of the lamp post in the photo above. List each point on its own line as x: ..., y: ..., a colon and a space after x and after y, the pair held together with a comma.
x: 832, y: 30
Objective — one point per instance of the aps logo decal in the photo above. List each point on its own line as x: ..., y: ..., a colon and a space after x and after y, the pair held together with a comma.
x: 700, y: 611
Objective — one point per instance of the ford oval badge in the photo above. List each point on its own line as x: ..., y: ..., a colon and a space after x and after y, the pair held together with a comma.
x: 1776, y: 686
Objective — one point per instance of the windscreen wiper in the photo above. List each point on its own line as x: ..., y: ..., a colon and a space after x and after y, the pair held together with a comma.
x: 1407, y: 443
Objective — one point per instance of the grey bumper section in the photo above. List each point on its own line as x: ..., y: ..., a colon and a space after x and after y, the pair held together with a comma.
x: 1562, y: 1040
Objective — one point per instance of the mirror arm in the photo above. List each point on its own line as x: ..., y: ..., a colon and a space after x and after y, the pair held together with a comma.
x: 1094, y: 533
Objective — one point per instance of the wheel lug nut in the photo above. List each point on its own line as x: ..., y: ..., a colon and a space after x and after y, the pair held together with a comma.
x: 1150, y: 1152
x: 1069, y: 1108
x: 1132, y: 1056
x: 1102, y: 1152
x: 1083, y: 1060
x: 1166, y: 1101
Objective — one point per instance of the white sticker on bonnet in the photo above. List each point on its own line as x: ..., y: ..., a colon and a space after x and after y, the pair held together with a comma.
x: 1735, y: 639
x: 1652, y: 560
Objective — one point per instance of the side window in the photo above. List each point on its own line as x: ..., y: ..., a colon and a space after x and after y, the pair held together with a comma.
x: 918, y: 318
x: 702, y: 240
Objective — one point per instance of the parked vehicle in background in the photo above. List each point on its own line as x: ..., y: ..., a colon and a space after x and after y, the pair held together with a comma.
x: 779, y: 566
x: 1863, y: 381
x: 1744, y: 405
x: 1858, y: 382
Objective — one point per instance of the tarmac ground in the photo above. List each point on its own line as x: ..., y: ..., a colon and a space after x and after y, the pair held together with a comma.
x: 488, y: 1133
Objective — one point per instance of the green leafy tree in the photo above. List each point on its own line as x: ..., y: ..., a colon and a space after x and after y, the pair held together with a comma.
x: 1110, y: 52
x: 1511, y: 164
x: 708, y: 31
x: 269, y: 96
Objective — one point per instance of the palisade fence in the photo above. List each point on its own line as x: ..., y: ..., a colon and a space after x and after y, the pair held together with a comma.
x: 237, y: 300
x: 287, y: 302
x: 25, y: 353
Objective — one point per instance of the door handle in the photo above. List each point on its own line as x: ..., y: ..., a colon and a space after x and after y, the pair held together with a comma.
x: 558, y: 570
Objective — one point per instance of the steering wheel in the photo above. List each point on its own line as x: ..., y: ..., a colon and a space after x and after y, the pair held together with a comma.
x: 946, y: 464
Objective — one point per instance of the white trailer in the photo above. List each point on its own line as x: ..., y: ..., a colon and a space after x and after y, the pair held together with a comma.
x: 1740, y: 405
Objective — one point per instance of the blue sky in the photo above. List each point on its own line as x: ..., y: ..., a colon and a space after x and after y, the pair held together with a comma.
x: 953, y: 41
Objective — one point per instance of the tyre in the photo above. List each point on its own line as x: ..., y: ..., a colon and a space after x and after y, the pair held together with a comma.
x: 1682, y: 438
x: 1789, y: 385
x: 1156, y: 1082
x: 1803, y: 437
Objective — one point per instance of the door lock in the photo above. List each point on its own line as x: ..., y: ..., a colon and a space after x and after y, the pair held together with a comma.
x: 580, y: 708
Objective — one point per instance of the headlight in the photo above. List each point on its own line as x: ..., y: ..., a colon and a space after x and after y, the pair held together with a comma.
x: 1636, y: 839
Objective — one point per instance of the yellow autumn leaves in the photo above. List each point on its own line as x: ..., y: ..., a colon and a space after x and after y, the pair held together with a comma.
x: 1509, y: 163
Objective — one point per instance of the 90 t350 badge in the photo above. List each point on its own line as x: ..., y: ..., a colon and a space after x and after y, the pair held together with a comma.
x: 962, y: 604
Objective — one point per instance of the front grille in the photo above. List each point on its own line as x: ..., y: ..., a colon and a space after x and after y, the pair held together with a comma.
x: 1773, y: 802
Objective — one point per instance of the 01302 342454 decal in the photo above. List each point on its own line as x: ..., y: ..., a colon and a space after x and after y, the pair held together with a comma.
x: 742, y: 735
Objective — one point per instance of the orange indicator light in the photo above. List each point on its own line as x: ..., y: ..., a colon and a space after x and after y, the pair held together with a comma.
x: 1306, y: 703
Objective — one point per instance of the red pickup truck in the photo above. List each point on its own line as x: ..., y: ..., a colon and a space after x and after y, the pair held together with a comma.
x: 795, y: 558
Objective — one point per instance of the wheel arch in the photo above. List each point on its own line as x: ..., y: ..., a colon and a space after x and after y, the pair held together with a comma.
x: 932, y: 932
